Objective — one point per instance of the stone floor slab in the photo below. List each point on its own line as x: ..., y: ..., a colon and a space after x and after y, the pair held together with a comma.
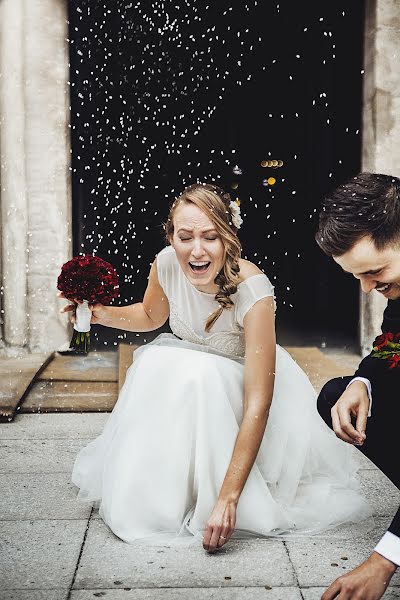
x: 318, y: 562
x: 34, y: 594
x: 39, y: 456
x: 358, y: 532
x: 245, y: 593
x: 248, y: 563
x: 362, y: 461
x: 54, y: 426
x: 39, y: 554
x: 380, y: 492
x: 315, y: 593
x: 40, y: 496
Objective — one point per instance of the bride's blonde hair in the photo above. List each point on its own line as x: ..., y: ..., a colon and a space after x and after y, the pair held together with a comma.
x: 214, y: 202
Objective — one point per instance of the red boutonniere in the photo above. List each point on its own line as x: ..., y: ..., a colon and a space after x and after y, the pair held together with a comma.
x: 387, y: 347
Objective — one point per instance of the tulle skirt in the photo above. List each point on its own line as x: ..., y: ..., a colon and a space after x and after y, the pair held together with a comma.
x: 156, y: 470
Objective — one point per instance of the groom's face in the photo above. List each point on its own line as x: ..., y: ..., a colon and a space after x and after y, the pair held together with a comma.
x: 376, y: 269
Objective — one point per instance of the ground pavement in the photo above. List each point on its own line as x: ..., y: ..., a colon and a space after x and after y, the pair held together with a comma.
x: 55, y: 548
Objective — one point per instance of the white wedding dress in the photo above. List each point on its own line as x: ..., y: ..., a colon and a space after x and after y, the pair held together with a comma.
x: 156, y: 470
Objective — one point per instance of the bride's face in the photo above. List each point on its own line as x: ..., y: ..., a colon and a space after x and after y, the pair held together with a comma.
x: 198, y: 246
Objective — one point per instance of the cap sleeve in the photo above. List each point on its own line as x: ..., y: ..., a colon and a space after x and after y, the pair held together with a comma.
x: 249, y: 292
x: 166, y: 265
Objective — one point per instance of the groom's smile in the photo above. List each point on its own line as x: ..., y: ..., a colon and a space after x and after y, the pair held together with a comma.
x: 377, y: 269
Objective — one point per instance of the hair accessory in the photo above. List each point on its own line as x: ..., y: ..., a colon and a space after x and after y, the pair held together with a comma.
x: 235, y: 212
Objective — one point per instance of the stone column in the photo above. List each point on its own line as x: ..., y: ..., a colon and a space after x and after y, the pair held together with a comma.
x: 47, y: 146
x: 35, y: 175
x: 381, y: 122
x: 14, y: 202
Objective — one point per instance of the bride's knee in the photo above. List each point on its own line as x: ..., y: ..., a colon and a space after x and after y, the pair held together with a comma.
x: 328, y: 397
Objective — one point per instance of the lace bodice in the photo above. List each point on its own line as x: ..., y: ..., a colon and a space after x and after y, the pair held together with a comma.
x: 228, y: 342
x: 190, y: 308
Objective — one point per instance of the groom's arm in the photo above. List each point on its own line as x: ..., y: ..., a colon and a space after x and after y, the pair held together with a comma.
x: 377, y: 372
x: 389, y: 545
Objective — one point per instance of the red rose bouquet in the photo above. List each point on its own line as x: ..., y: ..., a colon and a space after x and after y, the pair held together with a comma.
x: 90, y: 279
x: 387, y: 347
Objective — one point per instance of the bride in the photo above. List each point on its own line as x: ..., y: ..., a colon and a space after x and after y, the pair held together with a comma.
x: 215, y: 432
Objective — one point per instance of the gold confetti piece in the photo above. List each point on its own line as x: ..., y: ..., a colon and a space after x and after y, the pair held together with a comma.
x: 234, y: 185
x: 271, y: 180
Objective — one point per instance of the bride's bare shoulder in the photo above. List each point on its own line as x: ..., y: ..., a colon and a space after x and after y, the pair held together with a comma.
x: 247, y: 269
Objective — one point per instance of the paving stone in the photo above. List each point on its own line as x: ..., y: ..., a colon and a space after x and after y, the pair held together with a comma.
x: 39, y: 456
x: 380, y: 492
x: 54, y: 426
x: 255, y: 593
x: 34, y: 594
x: 242, y: 563
x: 39, y: 554
x: 315, y: 593
x: 318, y: 562
x: 40, y: 496
x: 17, y: 375
x: 362, y: 461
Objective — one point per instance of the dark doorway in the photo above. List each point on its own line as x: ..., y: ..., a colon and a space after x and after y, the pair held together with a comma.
x: 165, y: 94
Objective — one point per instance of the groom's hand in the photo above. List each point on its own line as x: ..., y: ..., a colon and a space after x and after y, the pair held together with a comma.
x: 366, y: 582
x: 354, y: 402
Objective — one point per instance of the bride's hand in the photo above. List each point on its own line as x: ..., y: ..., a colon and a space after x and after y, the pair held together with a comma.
x: 98, y: 310
x: 220, y: 525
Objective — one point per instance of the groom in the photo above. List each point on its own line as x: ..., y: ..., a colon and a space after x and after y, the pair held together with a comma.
x: 359, y: 227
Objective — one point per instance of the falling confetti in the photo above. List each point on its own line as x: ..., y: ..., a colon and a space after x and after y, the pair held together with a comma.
x: 163, y: 95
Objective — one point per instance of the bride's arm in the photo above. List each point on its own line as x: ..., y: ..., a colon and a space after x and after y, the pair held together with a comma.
x: 147, y: 315
x: 259, y: 377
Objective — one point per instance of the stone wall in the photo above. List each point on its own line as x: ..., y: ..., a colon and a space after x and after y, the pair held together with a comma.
x: 35, y: 175
x: 381, y: 122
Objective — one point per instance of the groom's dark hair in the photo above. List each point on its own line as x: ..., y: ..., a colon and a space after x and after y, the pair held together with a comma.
x: 365, y: 205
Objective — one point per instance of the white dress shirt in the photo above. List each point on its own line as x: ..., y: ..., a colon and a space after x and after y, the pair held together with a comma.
x: 368, y: 384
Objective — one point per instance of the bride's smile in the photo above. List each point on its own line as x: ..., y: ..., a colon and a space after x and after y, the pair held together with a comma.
x: 198, y: 246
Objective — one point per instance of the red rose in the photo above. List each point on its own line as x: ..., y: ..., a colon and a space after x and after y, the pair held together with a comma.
x: 382, y: 340
x: 394, y: 361
x: 88, y: 278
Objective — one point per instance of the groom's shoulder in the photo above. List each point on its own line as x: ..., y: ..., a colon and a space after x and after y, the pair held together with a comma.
x: 248, y: 269
x: 391, y: 317
x: 393, y: 307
